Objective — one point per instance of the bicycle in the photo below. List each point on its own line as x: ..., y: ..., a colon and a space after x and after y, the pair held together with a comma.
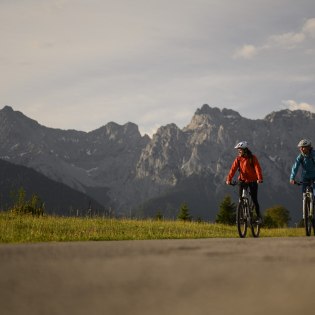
x: 308, y: 206
x: 245, y: 215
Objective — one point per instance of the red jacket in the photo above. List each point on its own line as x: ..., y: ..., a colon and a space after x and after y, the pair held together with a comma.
x: 249, y: 172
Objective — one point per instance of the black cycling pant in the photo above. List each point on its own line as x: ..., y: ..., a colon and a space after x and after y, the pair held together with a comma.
x: 306, y: 182
x: 253, y: 188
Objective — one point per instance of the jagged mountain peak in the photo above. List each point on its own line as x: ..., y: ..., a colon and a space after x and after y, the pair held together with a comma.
x: 216, y: 112
x: 114, y: 131
x: 168, y: 128
x: 207, y: 116
x: 114, y: 126
x: 289, y: 114
x: 8, y: 114
x: 230, y: 113
x: 167, y: 132
x: 7, y: 108
x: 16, y: 122
x: 130, y: 127
x: 207, y: 110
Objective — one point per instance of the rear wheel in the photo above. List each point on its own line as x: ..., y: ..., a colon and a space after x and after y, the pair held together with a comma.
x: 313, y: 219
x: 241, y: 219
x: 313, y: 223
x: 255, y: 224
x: 307, y: 218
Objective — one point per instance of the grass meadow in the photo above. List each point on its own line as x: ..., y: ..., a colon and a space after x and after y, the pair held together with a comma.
x: 29, y: 229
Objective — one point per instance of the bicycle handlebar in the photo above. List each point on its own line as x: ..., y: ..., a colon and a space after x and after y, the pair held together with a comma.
x: 234, y: 182
x: 299, y: 183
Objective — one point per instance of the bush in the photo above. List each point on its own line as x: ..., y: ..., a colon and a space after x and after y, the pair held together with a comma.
x: 276, y: 217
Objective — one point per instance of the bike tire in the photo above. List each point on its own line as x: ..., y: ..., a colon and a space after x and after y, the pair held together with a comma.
x: 241, y: 219
x: 307, y: 219
x: 313, y: 219
x: 255, y: 225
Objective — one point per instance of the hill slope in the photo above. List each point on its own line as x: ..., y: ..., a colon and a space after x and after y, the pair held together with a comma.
x: 58, y: 198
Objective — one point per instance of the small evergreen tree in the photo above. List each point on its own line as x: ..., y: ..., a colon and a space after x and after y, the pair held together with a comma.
x: 33, y: 206
x: 159, y: 216
x: 227, y: 212
x: 276, y: 217
x: 184, y: 213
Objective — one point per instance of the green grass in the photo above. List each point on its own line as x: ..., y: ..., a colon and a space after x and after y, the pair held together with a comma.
x: 28, y: 229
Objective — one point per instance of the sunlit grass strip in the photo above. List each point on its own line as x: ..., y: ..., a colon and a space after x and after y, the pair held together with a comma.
x: 21, y: 229
x: 282, y: 232
x: 27, y: 229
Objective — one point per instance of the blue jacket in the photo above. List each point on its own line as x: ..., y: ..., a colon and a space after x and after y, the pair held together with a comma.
x: 308, y: 166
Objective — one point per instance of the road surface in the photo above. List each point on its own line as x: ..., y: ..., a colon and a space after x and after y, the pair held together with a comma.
x: 175, y: 277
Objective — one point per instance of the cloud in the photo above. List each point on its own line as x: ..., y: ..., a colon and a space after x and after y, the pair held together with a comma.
x: 246, y: 52
x: 309, y: 28
x: 286, y: 41
x: 293, y: 105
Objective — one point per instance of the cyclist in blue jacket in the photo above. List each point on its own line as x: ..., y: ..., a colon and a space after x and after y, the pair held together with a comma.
x: 306, y: 159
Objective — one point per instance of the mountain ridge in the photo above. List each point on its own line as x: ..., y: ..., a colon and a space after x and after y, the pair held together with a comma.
x: 138, y: 172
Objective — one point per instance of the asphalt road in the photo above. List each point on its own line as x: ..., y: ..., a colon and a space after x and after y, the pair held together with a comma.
x: 206, y: 276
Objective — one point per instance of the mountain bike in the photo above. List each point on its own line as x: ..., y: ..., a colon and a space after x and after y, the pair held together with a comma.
x: 308, y: 207
x: 246, y: 215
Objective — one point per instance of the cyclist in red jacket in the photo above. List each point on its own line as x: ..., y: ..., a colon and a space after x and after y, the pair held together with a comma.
x: 249, y: 173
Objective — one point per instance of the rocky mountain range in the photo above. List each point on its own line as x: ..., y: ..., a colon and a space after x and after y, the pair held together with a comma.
x: 139, y: 176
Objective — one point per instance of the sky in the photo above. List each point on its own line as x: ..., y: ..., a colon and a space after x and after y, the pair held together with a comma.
x: 80, y: 64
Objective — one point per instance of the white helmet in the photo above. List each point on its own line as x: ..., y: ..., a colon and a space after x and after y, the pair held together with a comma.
x: 305, y: 143
x: 241, y: 145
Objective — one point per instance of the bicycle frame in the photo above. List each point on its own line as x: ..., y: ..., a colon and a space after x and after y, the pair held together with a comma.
x: 248, y: 202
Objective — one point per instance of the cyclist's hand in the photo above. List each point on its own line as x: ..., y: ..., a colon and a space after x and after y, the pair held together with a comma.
x: 228, y: 182
x: 259, y: 181
x: 292, y: 181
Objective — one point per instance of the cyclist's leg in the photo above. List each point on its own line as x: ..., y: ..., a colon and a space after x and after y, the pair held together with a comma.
x: 254, y: 194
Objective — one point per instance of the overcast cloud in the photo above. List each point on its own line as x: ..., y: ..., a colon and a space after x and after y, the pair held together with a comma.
x: 77, y: 64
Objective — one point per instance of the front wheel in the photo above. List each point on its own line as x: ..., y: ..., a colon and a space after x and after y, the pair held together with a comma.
x: 308, y: 220
x: 241, y: 219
